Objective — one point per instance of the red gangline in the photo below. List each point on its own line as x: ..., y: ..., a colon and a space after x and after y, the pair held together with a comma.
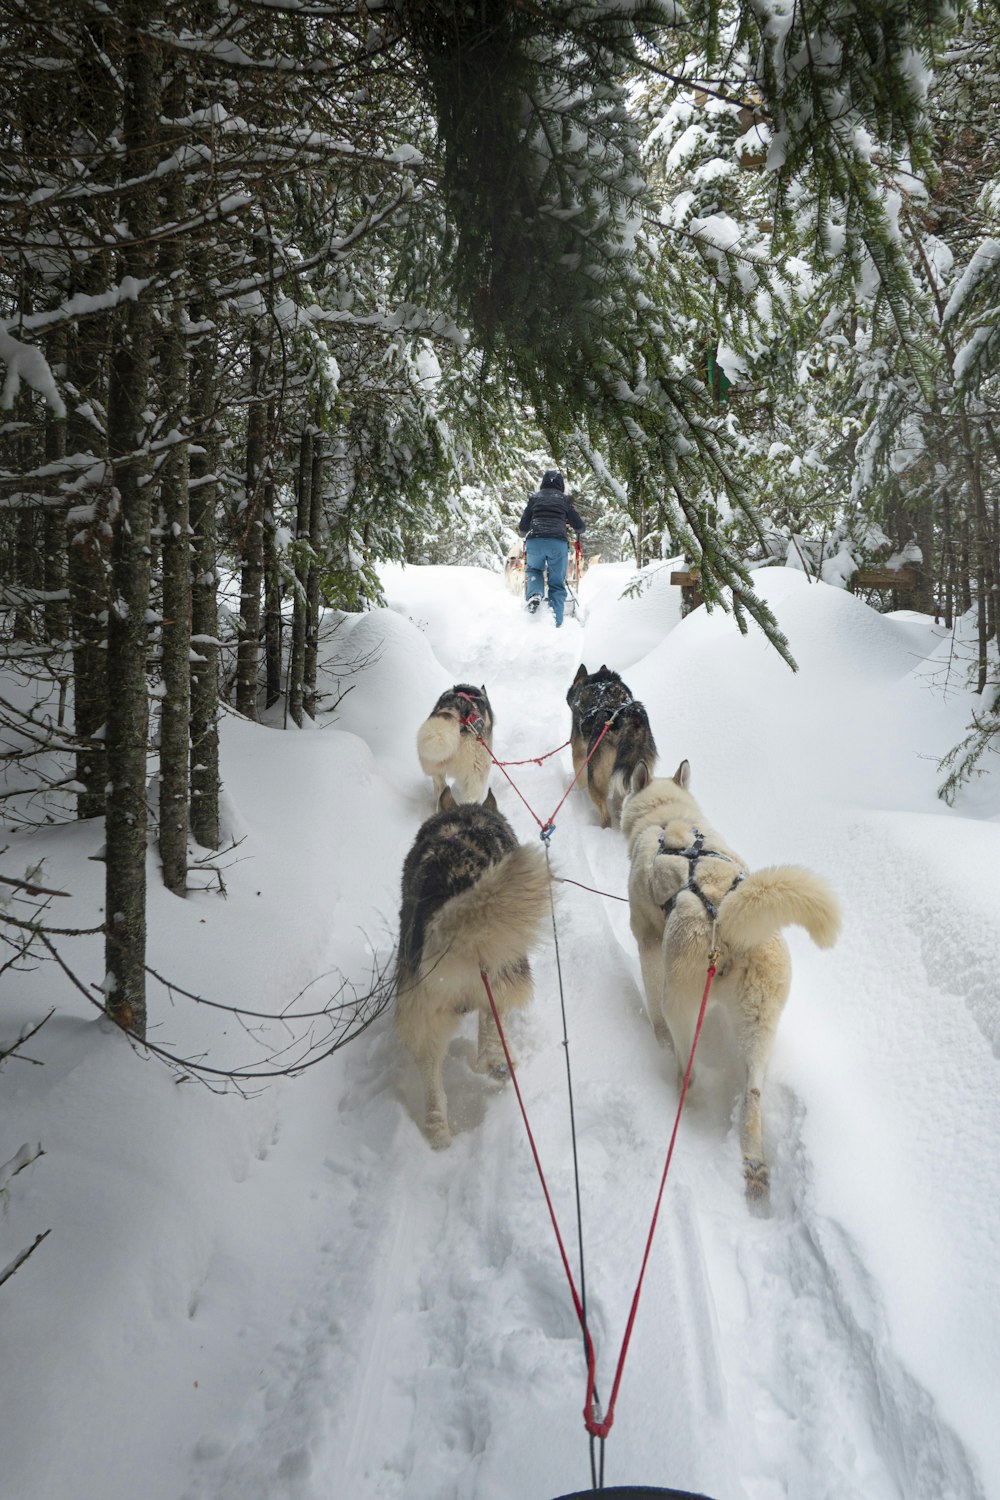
x: 547, y: 827
x: 601, y: 1429
x: 594, y: 1427
x: 533, y: 760
x: 545, y: 1187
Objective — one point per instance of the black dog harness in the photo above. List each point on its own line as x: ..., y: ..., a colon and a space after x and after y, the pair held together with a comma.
x: 600, y: 716
x: 692, y: 854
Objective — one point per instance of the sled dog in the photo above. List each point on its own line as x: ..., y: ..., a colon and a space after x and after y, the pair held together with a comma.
x: 474, y: 902
x: 448, y: 742
x: 690, y: 895
x: 625, y: 752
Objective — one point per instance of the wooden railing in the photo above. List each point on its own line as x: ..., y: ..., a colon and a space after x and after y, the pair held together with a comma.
x: 900, y: 579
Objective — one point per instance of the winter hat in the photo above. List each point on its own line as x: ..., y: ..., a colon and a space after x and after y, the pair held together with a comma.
x: 553, y: 480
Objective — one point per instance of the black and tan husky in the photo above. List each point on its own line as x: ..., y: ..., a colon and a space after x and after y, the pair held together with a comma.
x: 625, y: 758
x: 454, y: 742
x: 474, y: 902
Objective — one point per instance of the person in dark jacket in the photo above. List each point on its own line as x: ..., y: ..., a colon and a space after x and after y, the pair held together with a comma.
x: 544, y: 523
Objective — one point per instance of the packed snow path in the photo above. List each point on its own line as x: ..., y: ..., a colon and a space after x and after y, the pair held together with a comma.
x: 301, y: 1301
x: 441, y: 1360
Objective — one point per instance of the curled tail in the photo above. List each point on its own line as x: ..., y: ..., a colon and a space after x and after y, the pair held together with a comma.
x: 776, y: 897
x: 437, y: 741
x: 496, y: 921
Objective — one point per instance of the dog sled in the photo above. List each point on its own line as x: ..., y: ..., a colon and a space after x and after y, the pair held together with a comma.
x: 514, y: 572
x: 574, y: 572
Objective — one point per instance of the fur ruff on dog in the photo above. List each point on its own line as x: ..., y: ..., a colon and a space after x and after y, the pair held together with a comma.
x: 474, y: 902
x: 450, y: 750
x: 690, y: 893
x: 625, y: 758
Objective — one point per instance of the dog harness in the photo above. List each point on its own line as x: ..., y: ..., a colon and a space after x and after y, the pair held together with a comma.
x: 599, y: 715
x: 693, y: 853
x: 473, y: 721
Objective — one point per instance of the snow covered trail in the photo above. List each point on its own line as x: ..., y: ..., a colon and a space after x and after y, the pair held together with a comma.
x: 839, y: 1350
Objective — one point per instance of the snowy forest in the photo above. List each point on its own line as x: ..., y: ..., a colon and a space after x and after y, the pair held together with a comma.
x: 292, y: 288
x: 298, y: 301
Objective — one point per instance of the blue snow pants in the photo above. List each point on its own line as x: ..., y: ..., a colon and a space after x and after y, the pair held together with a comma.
x: 551, y: 552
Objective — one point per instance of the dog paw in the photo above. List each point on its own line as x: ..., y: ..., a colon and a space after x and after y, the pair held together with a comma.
x: 662, y: 1034
x: 757, y: 1179
x: 493, y: 1064
x: 437, y: 1132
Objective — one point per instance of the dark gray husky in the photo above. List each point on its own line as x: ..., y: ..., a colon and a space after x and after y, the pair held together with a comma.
x: 474, y: 902
x: 625, y: 758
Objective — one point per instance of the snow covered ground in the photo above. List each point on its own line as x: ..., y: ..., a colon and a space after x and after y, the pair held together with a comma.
x: 290, y: 1297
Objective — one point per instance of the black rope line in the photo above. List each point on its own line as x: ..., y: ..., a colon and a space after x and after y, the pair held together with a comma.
x: 609, y: 895
x: 596, y: 1469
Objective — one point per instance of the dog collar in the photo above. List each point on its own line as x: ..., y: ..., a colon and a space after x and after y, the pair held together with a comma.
x: 475, y: 720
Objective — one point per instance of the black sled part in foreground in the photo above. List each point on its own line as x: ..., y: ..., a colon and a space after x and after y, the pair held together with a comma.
x: 634, y: 1492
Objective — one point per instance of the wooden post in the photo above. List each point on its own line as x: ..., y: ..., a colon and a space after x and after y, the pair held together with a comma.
x: 689, y: 583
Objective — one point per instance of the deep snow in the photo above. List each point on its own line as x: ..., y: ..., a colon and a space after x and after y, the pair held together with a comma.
x: 292, y: 1296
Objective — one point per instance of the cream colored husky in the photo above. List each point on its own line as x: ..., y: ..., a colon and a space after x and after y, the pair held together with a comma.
x: 690, y: 895
x: 454, y: 743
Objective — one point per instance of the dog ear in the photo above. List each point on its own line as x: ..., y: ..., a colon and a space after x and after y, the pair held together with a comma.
x: 639, y: 777
x: 682, y: 775
x: 490, y: 801
x: 446, y: 801
x: 581, y: 675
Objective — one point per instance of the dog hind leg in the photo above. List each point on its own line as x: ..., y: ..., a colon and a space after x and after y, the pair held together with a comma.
x: 426, y: 1032
x: 762, y: 1000
x: 472, y: 774
x: 508, y: 993
x: 756, y: 1173
x: 682, y: 1020
x: 651, y: 962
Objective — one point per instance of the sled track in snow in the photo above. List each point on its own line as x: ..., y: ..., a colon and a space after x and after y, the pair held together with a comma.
x: 457, y: 1372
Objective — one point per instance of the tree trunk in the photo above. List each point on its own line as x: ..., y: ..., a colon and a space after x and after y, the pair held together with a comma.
x: 89, y: 528
x: 54, y: 528
x: 312, y: 580
x: 297, y: 648
x: 252, y: 561
x: 88, y: 519
x: 175, y: 705
x: 127, y: 733
x: 203, y: 461
x: 27, y: 573
x: 272, y: 579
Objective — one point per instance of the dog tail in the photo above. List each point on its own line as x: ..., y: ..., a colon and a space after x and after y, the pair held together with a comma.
x: 780, y: 896
x: 437, y: 741
x: 496, y: 921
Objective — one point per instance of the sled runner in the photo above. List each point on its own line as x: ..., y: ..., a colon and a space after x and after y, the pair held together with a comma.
x: 573, y: 574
